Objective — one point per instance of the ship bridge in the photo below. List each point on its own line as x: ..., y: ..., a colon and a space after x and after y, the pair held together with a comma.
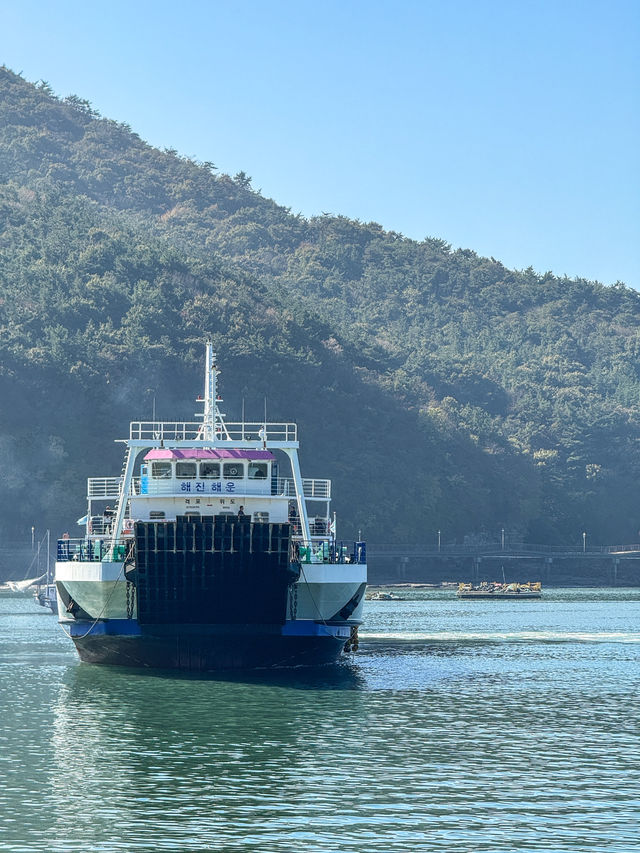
x: 211, y: 466
x: 182, y: 474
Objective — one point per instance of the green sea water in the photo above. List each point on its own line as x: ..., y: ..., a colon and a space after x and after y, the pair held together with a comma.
x: 459, y: 726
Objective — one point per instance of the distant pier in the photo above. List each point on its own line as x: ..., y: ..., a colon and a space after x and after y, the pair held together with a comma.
x: 553, y: 565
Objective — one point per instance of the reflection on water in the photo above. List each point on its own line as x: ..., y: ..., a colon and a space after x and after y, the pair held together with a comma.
x: 210, y: 751
x: 447, y: 732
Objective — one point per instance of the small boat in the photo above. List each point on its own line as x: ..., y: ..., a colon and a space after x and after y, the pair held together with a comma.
x: 500, y: 590
x: 45, y: 593
x: 384, y: 596
x: 46, y: 596
x: 42, y: 586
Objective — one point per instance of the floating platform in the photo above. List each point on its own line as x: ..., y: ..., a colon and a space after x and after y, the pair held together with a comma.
x: 500, y: 590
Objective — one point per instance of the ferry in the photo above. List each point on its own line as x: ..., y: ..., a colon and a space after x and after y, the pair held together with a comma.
x: 210, y: 552
x: 500, y: 590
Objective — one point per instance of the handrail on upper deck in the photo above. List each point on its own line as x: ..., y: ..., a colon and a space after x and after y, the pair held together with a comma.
x: 304, y: 552
x: 192, y: 431
x: 109, y: 487
x: 328, y: 551
x: 103, y: 487
x: 93, y: 550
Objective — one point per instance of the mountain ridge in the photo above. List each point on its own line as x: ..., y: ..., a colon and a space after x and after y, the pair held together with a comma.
x: 514, y: 397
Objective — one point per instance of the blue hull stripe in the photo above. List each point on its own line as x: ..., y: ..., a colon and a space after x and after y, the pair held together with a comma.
x: 131, y: 628
x: 110, y: 627
x: 305, y: 628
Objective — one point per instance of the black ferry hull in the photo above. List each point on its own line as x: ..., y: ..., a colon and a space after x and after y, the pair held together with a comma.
x: 205, y: 649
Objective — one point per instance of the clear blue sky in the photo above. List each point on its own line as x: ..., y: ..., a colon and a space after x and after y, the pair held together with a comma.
x: 510, y: 127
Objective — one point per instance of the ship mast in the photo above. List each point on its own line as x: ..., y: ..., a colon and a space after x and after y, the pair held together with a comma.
x: 213, y: 425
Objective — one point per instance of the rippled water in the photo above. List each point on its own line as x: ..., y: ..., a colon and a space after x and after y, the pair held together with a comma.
x: 460, y: 726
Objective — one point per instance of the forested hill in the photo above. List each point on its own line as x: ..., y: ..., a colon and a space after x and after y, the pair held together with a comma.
x: 438, y: 389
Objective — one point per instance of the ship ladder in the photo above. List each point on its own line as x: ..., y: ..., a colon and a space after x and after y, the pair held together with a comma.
x: 123, y: 496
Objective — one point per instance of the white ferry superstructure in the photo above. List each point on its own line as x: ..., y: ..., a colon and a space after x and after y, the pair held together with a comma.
x: 209, y: 558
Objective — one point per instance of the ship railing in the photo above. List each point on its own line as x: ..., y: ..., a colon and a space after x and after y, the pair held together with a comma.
x: 92, y: 550
x: 192, y: 431
x: 318, y: 526
x: 102, y: 525
x: 317, y: 551
x: 307, y: 552
x: 108, y: 488
x: 311, y: 489
x: 103, y: 487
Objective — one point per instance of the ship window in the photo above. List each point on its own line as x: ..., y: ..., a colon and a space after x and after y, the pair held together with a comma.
x: 161, y: 470
x: 261, y: 517
x: 233, y: 470
x: 156, y: 513
x: 185, y: 470
x: 257, y: 470
x: 210, y: 470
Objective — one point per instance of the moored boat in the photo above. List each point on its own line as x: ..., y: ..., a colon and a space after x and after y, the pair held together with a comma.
x: 45, y: 593
x: 500, y: 590
x: 46, y: 596
x: 210, y: 558
x: 383, y: 596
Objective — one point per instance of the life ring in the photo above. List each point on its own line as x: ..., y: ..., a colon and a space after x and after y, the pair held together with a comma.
x: 127, y: 526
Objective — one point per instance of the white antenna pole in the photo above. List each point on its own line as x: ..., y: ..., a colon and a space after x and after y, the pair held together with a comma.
x: 264, y: 424
x: 213, y: 425
x: 209, y: 395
